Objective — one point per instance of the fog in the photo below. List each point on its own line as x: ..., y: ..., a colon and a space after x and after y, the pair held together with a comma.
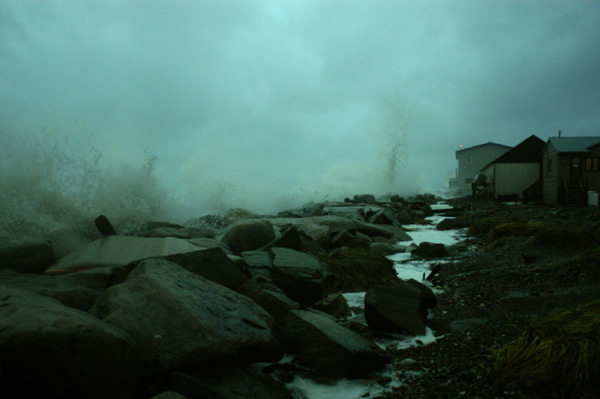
x: 174, y: 109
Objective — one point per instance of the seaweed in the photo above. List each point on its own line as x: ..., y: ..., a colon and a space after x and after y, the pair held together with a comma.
x: 555, y: 356
x: 357, y: 269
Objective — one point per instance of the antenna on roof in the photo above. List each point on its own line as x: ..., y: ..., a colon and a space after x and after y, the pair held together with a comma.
x: 559, y: 133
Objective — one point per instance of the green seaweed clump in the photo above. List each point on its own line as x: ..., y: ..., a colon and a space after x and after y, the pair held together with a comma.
x: 357, y: 269
x: 484, y: 225
x: 556, y: 356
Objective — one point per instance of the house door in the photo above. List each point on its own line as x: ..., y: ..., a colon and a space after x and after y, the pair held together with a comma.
x: 576, y: 170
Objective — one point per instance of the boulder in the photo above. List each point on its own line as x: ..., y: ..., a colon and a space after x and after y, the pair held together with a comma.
x: 228, y: 383
x: 213, y: 264
x: 290, y: 238
x: 26, y: 257
x: 384, y: 216
x: 453, y: 223
x: 385, y: 249
x: 180, y: 319
x: 51, y: 351
x: 249, y: 235
x: 207, y: 242
x: 259, y: 263
x: 334, y: 305
x: 268, y: 296
x: 165, y: 232
x: 119, y: 251
x: 331, y: 350
x: 348, y: 239
x: 364, y: 199
x: 430, y: 250
x: 298, y: 274
x: 399, y: 308
x: 77, y: 290
x: 312, y: 209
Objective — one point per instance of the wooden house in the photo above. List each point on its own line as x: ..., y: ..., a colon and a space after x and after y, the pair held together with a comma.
x: 517, y: 173
x: 471, y: 160
x: 570, y: 169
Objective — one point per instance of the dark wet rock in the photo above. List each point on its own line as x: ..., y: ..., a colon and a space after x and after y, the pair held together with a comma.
x: 249, y: 235
x: 291, y: 213
x: 364, y: 199
x: 228, y: 383
x: 213, y: 264
x: 298, y: 274
x: 206, y: 242
x: 313, y: 209
x: 180, y: 319
x: 169, y: 395
x: 384, y: 216
x: 331, y: 350
x: 346, y: 238
x: 52, y: 351
x: 258, y: 262
x: 385, y: 249
x: 453, y: 223
x: 104, y: 226
x: 26, y: 257
x: 165, y: 232
x: 267, y: 295
x: 401, y: 308
x: 290, y: 238
x: 430, y: 250
x: 334, y: 305
x: 77, y: 290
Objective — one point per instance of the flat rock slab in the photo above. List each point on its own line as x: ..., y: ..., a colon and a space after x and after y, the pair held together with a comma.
x: 120, y: 250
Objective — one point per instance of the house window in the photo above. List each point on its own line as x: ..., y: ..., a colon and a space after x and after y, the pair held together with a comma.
x: 549, y: 166
x: 591, y: 164
x: 469, y: 160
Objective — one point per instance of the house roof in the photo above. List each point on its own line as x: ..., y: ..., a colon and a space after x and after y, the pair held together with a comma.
x: 528, y: 151
x: 483, y: 145
x: 573, y: 144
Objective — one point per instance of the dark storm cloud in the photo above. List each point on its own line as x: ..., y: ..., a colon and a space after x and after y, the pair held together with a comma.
x: 301, y: 93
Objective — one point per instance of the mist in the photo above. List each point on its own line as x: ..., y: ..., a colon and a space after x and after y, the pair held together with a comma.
x: 172, y: 110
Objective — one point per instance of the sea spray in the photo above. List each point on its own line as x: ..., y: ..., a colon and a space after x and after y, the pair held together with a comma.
x: 51, y: 181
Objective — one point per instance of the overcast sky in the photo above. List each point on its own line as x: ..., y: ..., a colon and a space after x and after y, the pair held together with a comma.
x: 316, y: 96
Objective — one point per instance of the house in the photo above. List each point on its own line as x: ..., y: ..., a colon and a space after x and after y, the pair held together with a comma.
x: 517, y: 173
x: 570, y: 169
x: 471, y: 160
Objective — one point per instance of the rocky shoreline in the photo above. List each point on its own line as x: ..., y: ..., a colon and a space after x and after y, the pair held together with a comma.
x: 184, y: 311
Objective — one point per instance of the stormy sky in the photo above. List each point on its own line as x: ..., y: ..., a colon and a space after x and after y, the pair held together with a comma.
x: 276, y: 98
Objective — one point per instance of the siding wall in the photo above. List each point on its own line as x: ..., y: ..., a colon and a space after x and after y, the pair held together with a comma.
x: 479, y: 157
x: 550, y: 177
x: 513, y: 178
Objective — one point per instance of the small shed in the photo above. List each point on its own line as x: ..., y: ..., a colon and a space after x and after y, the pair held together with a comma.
x: 517, y: 173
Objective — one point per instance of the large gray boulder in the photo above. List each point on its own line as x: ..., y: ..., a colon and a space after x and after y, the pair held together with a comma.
x: 331, y: 350
x: 228, y: 383
x: 399, y: 308
x: 119, y: 251
x: 430, y: 250
x: 26, y: 257
x: 51, y: 351
x: 249, y: 235
x: 213, y: 264
x: 77, y: 290
x: 259, y: 263
x: 266, y: 294
x: 298, y: 274
x: 180, y: 319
